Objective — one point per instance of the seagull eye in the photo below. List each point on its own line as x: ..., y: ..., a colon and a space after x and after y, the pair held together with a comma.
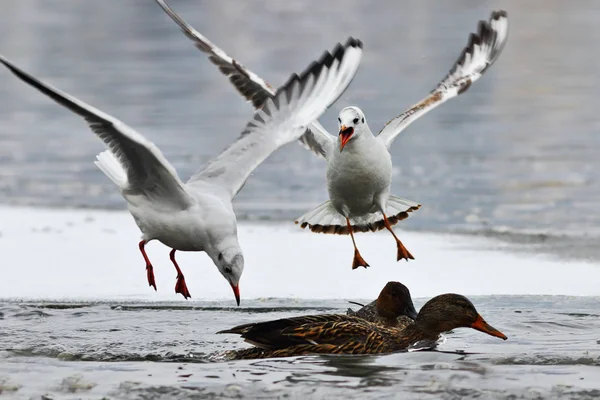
x: 355, y: 120
x: 363, y: 120
x: 339, y: 120
x: 228, y: 270
x: 220, y: 257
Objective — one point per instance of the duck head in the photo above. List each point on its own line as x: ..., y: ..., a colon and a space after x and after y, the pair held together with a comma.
x: 450, y: 311
x: 394, y: 301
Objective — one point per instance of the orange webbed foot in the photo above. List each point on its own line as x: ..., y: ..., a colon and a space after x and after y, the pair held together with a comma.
x: 403, y: 253
x: 358, y: 260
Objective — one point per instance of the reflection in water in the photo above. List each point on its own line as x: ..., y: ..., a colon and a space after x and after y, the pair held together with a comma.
x: 516, y: 152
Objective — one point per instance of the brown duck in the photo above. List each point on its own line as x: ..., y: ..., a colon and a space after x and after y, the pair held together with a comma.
x: 357, y: 336
x: 394, y: 302
x: 393, y: 308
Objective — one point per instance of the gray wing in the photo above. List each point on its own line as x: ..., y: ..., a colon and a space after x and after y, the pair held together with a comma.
x: 147, y: 170
x: 481, y: 52
x: 247, y: 83
x: 253, y: 88
x: 284, y: 118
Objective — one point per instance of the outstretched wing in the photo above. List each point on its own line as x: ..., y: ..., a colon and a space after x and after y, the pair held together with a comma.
x: 147, y: 170
x: 252, y: 87
x: 248, y: 84
x: 284, y: 118
x: 483, y: 49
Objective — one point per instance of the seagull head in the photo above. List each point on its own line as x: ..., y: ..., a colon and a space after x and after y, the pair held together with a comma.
x: 230, y: 262
x: 351, y: 121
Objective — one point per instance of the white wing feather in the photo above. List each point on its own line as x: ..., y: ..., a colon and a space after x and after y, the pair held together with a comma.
x: 284, y: 118
x: 483, y: 49
x: 147, y: 171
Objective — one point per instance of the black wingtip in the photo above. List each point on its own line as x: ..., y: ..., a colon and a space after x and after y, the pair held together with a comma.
x: 353, y: 42
x: 326, y: 60
x: 486, y: 35
x: 497, y: 14
x: 11, y: 67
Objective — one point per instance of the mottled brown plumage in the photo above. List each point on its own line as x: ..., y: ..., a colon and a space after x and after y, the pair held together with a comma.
x: 369, y: 313
x: 394, y: 301
x: 392, y: 308
x: 358, y: 336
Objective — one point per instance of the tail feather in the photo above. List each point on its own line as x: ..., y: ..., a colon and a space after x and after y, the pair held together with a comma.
x: 112, y: 168
x: 325, y: 218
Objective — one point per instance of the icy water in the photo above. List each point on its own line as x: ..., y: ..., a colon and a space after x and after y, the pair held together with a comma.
x: 77, y: 319
x: 513, y: 162
x: 160, y: 351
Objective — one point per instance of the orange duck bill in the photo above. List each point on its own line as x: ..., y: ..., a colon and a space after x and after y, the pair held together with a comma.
x: 484, y: 327
x: 345, y: 135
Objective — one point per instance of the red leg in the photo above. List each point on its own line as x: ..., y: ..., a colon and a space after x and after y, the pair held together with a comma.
x: 403, y: 252
x: 149, y: 269
x: 358, y: 261
x: 180, y: 286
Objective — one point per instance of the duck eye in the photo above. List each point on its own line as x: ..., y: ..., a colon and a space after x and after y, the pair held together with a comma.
x: 220, y: 257
x: 355, y: 120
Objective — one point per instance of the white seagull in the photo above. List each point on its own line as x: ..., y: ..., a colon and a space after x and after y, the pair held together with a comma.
x: 198, y: 215
x: 359, y: 166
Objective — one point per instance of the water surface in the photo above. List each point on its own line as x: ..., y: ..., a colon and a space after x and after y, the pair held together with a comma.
x: 170, y: 350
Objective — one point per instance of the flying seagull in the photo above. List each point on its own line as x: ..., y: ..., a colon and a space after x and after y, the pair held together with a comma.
x: 198, y: 215
x: 359, y: 165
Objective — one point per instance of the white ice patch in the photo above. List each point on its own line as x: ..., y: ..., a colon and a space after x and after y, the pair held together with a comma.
x: 93, y: 255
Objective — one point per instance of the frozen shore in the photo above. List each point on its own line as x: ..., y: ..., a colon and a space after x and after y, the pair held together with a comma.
x: 93, y: 255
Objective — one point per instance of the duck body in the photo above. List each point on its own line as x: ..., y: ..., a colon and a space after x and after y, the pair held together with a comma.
x: 352, y: 335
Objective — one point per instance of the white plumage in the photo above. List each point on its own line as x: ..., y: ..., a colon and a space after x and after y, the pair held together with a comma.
x: 359, y: 177
x: 198, y: 215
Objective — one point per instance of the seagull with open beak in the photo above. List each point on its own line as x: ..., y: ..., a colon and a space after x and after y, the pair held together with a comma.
x: 359, y: 166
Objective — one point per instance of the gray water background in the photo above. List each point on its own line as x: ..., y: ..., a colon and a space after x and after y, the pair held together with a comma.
x: 517, y: 153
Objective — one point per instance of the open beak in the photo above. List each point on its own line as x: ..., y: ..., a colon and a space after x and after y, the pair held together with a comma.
x: 345, y: 135
x: 484, y: 327
x: 236, y: 293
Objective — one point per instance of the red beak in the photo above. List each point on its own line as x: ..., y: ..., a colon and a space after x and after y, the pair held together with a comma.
x: 236, y: 293
x: 345, y: 135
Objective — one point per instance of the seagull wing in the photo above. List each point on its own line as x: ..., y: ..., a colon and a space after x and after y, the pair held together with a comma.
x: 252, y: 87
x: 147, y: 171
x: 481, y: 52
x: 284, y: 118
x: 247, y: 83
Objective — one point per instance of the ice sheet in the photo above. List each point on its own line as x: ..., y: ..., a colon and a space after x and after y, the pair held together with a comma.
x: 93, y: 255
